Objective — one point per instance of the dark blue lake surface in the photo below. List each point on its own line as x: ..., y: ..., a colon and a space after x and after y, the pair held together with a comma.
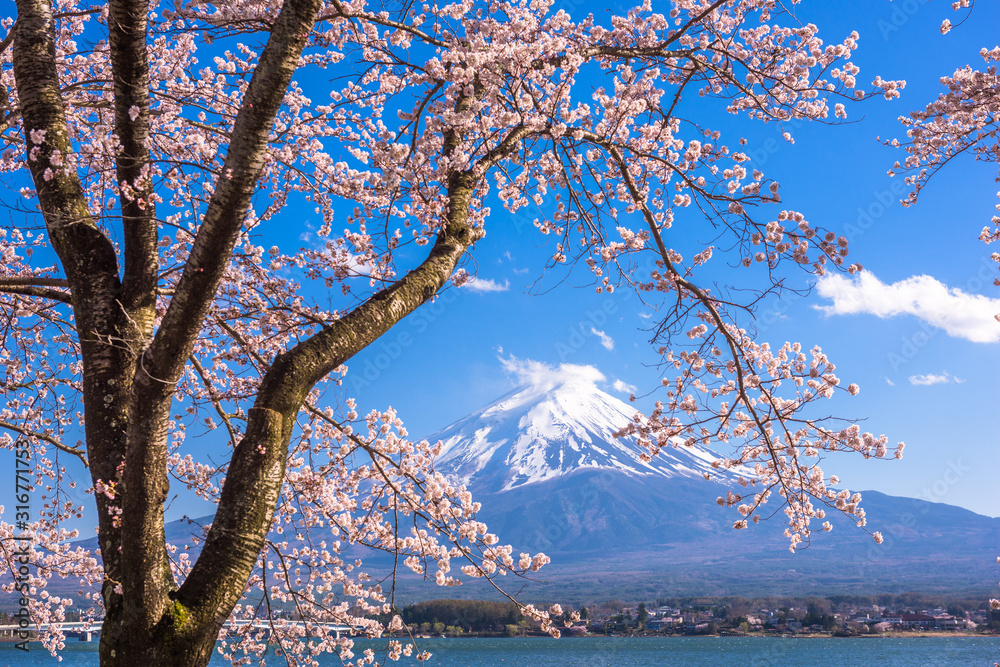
x: 634, y: 652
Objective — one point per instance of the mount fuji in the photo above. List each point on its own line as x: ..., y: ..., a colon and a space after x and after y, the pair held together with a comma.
x: 543, y: 431
x: 551, y: 476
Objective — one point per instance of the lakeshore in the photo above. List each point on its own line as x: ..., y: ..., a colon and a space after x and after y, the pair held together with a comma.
x: 36, y: 645
x: 635, y: 651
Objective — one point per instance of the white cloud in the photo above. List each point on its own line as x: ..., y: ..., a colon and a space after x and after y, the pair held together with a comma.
x: 544, y: 377
x: 606, y: 340
x: 961, y: 315
x: 623, y: 387
x: 486, y: 285
x: 931, y: 378
x: 890, y: 382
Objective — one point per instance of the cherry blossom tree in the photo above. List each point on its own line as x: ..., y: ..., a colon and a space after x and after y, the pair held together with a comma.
x: 155, y: 152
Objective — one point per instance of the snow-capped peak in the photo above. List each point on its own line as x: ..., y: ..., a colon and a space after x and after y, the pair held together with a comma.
x: 556, y: 424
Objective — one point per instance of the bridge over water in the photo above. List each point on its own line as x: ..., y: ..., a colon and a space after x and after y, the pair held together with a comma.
x: 86, y: 632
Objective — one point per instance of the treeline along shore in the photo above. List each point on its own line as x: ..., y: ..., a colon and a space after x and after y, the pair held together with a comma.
x: 907, y: 614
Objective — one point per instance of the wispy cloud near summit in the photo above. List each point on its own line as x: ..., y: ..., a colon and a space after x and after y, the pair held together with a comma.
x: 543, y: 376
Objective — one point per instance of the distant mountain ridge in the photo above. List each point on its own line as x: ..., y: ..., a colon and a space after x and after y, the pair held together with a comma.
x: 551, y: 477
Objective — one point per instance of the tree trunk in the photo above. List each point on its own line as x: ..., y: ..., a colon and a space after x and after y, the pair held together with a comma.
x: 130, y: 370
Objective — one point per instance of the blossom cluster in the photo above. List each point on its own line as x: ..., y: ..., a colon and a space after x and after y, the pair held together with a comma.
x: 778, y: 447
x: 962, y: 120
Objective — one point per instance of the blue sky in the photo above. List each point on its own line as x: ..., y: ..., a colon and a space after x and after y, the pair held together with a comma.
x: 923, y: 353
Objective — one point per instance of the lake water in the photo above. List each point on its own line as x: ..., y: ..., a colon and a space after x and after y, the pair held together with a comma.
x: 636, y: 652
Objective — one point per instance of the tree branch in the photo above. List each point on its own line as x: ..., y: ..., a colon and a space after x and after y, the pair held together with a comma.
x: 235, y: 185
x: 735, y: 350
x: 247, y: 501
x: 43, y: 292
x: 35, y: 281
x: 79, y: 453
x: 127, y: 28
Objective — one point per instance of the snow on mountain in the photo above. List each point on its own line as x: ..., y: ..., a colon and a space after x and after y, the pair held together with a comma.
x: 556, y: 423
